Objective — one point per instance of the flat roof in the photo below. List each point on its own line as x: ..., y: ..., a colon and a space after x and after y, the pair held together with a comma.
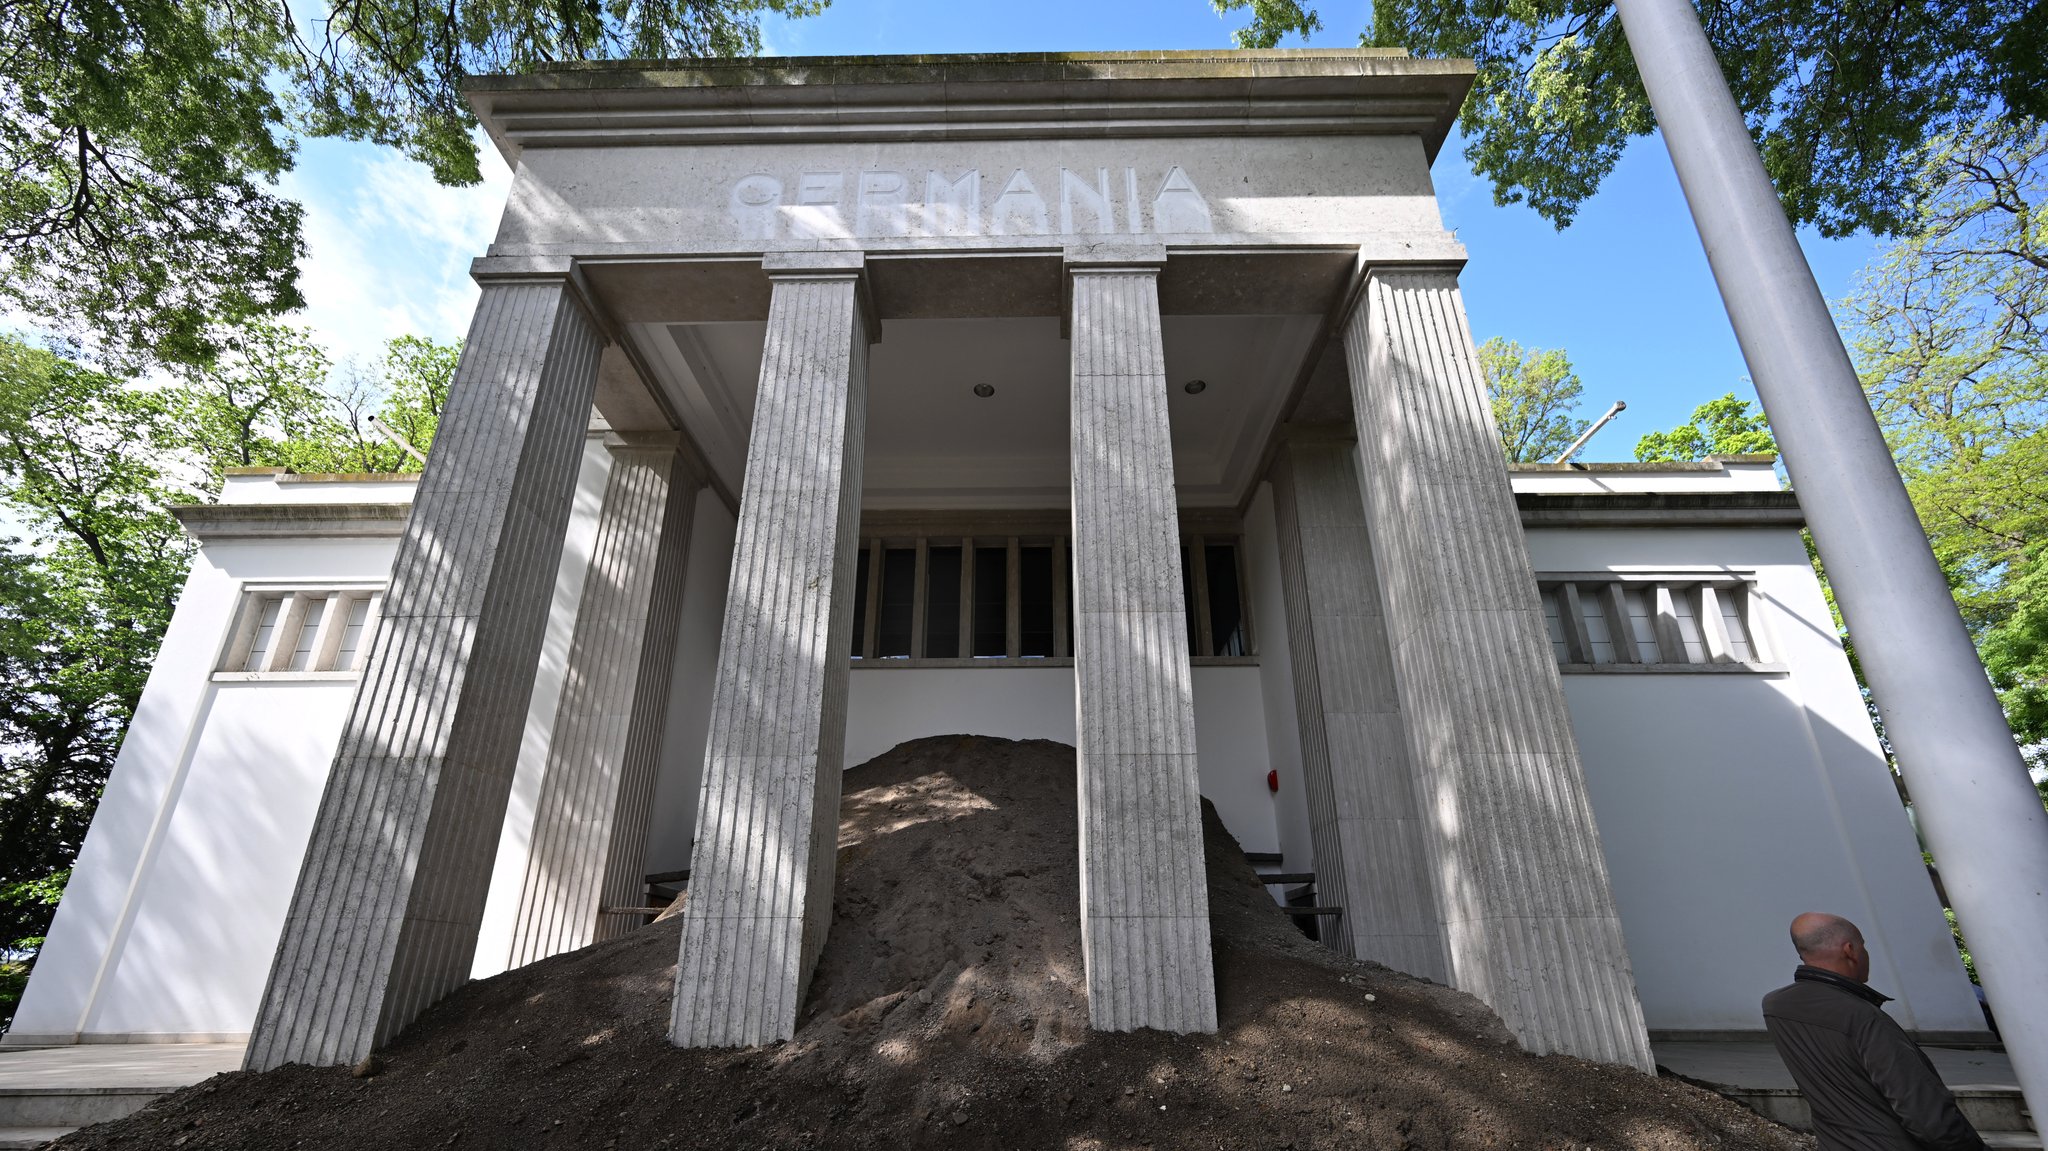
x: 1277, y: 91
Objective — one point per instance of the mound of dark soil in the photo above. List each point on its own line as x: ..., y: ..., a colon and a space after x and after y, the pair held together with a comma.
x: 948, y: 1010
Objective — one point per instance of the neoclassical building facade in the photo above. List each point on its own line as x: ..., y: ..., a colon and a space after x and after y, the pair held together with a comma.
x: 1122, y: 399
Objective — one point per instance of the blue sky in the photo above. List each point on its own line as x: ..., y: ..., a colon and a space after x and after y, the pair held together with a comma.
x: 1626, y: 289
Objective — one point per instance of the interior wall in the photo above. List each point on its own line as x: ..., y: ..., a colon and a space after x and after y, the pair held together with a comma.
x: 1276, y: 682
x: 515, y: 837
x: 696, y: 671
x: 887, y: 706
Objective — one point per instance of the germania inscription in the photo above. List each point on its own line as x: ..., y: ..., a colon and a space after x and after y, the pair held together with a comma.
x: 871, y: 203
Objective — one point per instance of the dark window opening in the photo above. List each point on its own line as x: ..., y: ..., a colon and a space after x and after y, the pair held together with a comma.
x: 991, y: 601
x: 1226, y: 613
x: 899, y: 599
x: 1034, y: 596
x: 860, y: 601
x: 942, y: 603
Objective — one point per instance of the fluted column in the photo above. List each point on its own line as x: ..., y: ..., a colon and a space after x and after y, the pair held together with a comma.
x: 384, y: 918
x: 1144, y: 899
x: 768, y: 823
x: 1372, y: 857
x: 590, y: 824
x: 1530, y: 920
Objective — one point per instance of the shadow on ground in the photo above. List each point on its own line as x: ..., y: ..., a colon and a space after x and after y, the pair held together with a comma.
x: 948, y: 1011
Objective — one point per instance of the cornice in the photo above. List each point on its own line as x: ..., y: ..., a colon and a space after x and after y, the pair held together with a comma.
x: 211, y: 523
x: 1076, y: 95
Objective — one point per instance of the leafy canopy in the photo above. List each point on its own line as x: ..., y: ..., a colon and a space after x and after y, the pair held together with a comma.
x: 1840, y: 98
x: 1535, y: 394
x: 90, y: 463
x: 1947, y: 330
x: 140, y: 140
x: 1723, y: 427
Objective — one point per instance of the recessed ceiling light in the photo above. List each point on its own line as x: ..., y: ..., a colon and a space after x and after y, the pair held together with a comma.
x: 1195, y: 387
x: 984, y: 390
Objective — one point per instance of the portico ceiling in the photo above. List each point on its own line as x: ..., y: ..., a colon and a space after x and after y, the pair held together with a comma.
x: 933, y: 443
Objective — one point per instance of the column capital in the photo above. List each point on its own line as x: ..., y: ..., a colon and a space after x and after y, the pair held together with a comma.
x: 1393, y: 256
x: 692, y: 471
x: 1110, y: 259
x: 1113, y: 257
x: 830, y: 265
x: 490, y: 271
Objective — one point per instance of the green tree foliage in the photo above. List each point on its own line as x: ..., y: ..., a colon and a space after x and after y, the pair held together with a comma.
x: 1840, y: 98
x: 140, y: 140
x: 1723, y: 427
x: 81, y: 610
x: 1948, y: 332
x: 1534, y: 394
x: 90, y: 463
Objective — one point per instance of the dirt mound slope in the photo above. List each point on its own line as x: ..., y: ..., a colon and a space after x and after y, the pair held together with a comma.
x: 947, y: 1011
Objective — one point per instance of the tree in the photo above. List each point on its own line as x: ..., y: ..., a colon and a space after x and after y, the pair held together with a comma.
x: 81, y: 612
x: 140, y: 140
x: 1534, y: 394
x: 260, y: 400
x: 1839, y: 98
x: 1723, y: 427
x: 1948, y: 331
x: 90, y: 462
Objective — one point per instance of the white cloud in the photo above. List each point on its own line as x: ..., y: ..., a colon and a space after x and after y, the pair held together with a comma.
x: 388, y: 249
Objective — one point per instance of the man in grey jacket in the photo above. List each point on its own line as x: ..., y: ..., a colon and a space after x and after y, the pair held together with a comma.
x: 1870, y: 1087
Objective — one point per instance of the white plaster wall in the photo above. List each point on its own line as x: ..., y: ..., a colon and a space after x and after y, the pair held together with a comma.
x: 189, y: 865
x: 1276, y: 683
x: 1230, y: 743
x: 210, y: 906
x: 887, y: 706
x: 696, y: 671
x: 515, y: 837
x: 1728, y: 804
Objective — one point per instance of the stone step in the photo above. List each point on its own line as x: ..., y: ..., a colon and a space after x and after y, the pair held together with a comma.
x: 2028, y: 1140
x: 29, y: 1138
x: 1991, y: 1110
x: 74, y: 1106
x: 47, y: 1090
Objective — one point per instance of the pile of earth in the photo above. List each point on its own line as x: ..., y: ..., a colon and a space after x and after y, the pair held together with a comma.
x: 948, y: 1010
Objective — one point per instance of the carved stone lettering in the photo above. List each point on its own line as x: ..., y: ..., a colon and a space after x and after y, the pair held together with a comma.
x: 1093, y: 200
x: 1179, y: 207
x: 756, y: 203
x: 1020, y: 210
x: 882, y: 211
x: 881, y: 203
x: 819, y: 213
x: 952, y: 207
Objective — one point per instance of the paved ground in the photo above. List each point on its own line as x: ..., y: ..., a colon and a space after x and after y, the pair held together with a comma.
x: 164, y: 1066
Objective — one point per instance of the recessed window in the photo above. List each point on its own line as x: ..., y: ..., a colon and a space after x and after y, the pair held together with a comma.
x: 899, y: 601
x: 991, y: 602
x: 943, y: 586
x: 1008, y: 599
x: 1034, y: 602
x: 284, y: 633
x: 1624, y: 621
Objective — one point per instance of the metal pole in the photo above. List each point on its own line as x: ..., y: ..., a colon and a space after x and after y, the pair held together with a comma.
x: 1978, y: 809
x: 1619, y: 407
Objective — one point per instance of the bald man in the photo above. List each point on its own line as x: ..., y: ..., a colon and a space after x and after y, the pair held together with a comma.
x: 1870, y: 1087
